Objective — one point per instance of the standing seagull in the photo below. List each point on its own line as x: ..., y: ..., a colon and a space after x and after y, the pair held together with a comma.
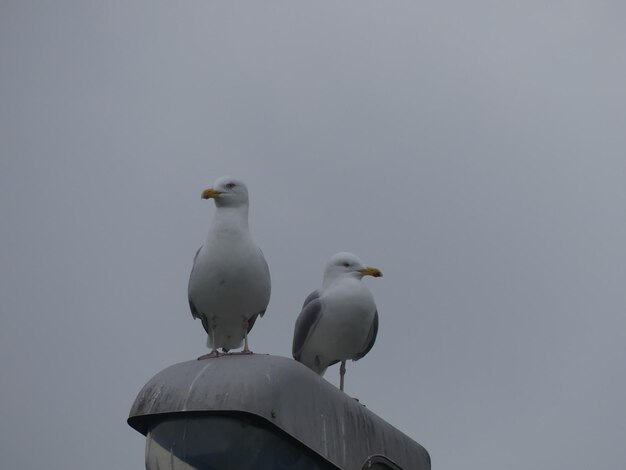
x: 229, y: 285
x: 339, y: 321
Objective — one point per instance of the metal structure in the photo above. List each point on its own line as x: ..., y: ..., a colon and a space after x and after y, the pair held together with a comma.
x: 262, y: 412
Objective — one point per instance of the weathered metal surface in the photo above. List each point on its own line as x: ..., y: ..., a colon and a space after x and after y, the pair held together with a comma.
x: 286, y: 394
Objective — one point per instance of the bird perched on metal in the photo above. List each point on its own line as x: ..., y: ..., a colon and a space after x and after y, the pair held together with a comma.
x: 339, y: 321
x: 229, y: 285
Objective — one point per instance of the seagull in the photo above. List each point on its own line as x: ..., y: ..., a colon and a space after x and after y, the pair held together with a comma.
x: 229, y: 285
x: 339, y: 321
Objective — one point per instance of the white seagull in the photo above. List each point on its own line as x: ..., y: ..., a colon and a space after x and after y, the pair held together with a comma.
x: 339, y: 321
x: 229, y: 285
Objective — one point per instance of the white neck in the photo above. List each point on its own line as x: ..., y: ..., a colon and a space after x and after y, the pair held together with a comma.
x: 230, y: 218
x: 331, y: 278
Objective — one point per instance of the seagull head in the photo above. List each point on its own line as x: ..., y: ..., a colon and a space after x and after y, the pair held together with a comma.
x: 227, y: 191
x: 347, y: 264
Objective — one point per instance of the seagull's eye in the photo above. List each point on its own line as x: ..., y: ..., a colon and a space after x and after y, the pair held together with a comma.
x: 346, y: 264
x: 230, y: 185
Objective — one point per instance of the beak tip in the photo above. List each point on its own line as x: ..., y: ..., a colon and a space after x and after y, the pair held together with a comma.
x: 209, y: 193
x: 370, y: 271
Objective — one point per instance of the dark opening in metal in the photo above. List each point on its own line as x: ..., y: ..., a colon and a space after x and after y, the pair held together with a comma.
x: 226, y: 442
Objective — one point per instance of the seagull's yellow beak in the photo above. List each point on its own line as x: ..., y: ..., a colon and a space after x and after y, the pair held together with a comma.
x: 369, y: 271
x: 210, y: 193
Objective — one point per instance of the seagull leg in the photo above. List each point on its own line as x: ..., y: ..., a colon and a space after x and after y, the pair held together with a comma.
x: 246, y: 349
x: 342, y: 372
x: 214, y: 352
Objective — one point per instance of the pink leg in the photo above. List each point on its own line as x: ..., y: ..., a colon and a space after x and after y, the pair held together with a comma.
x: 214, y: 352
x: 246, y: 349
x: 342, y: 372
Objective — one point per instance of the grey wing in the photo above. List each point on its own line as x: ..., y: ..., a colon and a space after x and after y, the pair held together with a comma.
x: 308, y: 318
x: 269, y: 280
x: 312, y: 296
x: 371, y: 338
x: 192, y: 307
x: 253, y: 318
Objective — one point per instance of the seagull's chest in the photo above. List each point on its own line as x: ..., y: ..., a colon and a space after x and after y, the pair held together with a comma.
x: 230, y: 270
x: 234, y: 274
x: 348, y: 315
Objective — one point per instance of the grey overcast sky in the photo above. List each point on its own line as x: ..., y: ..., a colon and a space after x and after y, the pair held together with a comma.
x: 474, y: 151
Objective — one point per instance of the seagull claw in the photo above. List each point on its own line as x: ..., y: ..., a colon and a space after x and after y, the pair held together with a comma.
x: 211, y: 355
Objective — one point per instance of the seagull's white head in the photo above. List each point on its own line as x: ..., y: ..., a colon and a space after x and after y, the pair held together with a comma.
x: 227, y: 192
x: 347, y: 264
